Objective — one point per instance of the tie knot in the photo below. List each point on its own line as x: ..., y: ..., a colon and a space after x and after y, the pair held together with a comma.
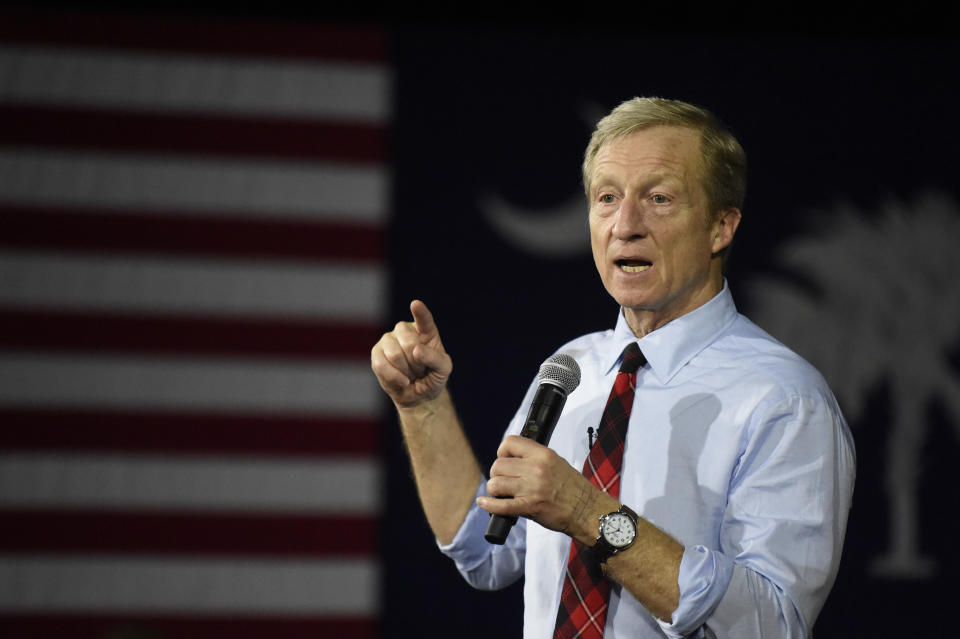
x: 632, y: 359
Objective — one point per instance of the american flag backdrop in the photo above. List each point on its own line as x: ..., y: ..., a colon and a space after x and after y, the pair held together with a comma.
x: 192, y: 219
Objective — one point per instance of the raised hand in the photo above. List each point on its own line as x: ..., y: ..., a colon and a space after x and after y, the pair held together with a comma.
x: 410, y: 362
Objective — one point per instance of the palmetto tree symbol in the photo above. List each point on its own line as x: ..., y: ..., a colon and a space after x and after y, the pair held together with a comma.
x: 872, y: 299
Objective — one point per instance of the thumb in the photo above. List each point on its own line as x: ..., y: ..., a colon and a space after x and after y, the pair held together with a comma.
x: 434, y: 359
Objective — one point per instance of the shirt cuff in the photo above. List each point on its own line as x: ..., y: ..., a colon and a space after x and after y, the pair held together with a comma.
x: 469, y: 548
x: 703, y: 580
x: 484, y: 565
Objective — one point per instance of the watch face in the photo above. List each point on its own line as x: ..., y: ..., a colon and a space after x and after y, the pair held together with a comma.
x: 619, y: 530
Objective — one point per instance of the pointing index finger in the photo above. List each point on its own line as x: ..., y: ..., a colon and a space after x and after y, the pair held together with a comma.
x: 423, y: 319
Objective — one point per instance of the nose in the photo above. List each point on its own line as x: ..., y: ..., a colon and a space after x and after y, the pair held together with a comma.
x: 629, y: 222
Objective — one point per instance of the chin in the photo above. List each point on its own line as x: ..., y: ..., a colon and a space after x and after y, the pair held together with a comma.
x: 635, y: 302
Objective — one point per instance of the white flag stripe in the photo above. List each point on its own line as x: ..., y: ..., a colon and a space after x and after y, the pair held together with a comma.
x: 279, y: 388
x: 219, y: 288
x: 355, y: 92
x: 188, y: 184
x: 191, y: 483
x: 194, y: 585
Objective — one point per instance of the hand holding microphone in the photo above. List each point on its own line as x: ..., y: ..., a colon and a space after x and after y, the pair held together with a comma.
x: 559, y: 376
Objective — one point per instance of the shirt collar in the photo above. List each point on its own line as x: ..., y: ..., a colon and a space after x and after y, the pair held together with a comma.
x: 670, y: 347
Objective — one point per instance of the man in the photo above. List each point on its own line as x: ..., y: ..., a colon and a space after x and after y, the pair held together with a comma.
x: 737, y: 467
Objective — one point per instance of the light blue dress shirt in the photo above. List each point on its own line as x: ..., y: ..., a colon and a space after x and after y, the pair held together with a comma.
x: 736, y: 448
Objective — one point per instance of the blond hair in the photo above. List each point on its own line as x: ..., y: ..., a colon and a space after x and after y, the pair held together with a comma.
x: 724, y: 161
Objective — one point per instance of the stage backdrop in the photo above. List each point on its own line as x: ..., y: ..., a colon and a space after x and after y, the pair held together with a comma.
x: 846, y: 252
x: 207, y: 221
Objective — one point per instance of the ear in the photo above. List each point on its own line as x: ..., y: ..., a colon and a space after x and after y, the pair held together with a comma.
x: 724, y: 228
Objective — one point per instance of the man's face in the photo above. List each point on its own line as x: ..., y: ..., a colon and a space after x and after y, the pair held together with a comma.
x: 652, y: 235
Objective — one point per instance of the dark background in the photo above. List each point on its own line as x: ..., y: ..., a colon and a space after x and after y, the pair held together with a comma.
x: 825, y: 119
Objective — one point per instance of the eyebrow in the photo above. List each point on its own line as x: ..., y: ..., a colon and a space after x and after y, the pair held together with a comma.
x: 659, y: 177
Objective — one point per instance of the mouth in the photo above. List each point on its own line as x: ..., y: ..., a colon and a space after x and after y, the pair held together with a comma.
x: 633, y: 266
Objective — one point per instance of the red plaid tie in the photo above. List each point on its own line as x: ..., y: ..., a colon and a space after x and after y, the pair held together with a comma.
x: 583, y: 601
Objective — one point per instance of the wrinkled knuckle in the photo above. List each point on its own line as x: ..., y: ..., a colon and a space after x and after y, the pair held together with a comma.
x: 381, y: 343
x: 394, y: 356
x: 541, y: 471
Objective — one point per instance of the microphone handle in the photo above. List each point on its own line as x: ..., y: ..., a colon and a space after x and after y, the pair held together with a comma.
x: 541, y: 418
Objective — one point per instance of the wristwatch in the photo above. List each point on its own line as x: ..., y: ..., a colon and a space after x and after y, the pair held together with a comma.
x: 618, y: 530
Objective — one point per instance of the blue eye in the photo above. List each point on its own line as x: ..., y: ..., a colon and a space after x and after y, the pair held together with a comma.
x: 660, y: 199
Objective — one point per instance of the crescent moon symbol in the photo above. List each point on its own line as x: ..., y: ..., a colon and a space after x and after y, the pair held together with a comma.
x: 560, y: 233
x: 557, y: 233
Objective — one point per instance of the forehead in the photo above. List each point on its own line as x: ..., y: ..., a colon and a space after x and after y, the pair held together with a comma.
x: 671, y: 150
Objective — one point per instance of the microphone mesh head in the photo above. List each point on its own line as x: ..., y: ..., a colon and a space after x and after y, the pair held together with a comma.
x: 560, y: 370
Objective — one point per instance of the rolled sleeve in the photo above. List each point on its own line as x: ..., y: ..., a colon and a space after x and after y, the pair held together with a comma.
x: 486, y: 566
x: 722, y: 599
x: 703, y: 580
x: 782, y: 531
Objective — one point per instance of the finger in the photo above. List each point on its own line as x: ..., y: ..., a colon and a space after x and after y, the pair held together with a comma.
x: 391, y: 380
x: 516, y: 446
x: 395, y: 354
x: 423, y: 319
x: 388, y: 374
x: 409, y: 340
x: 434, y: 359
x: 501, y: 506
x: 507, y: 467
x: 502, y: 486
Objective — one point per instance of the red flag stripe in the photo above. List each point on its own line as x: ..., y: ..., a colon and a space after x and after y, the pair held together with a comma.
x: 186, y: 433
x: 171, y: 335
x: 273, y: 39
x: 189, y: 234
x: 182, y: 533
x: 220, y: 134
x: 79, y: 626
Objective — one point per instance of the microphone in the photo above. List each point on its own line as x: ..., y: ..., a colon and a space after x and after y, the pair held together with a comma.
x: 559, y: 376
